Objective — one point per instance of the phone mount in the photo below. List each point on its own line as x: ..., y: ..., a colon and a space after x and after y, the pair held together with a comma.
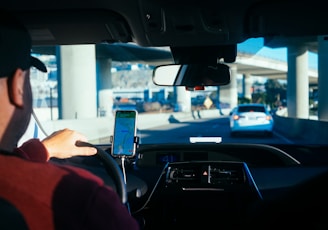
x: 135, y: 140
x: 123, y: 157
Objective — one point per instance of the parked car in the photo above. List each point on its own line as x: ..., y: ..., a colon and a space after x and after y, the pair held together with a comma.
x: 251, y: 118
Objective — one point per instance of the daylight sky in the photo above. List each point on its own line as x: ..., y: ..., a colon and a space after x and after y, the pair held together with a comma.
x: 255, y: 45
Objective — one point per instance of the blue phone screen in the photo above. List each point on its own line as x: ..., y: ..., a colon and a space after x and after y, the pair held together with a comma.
x: 124, y: 133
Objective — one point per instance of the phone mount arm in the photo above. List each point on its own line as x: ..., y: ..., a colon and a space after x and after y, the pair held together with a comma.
x: 123, y: 157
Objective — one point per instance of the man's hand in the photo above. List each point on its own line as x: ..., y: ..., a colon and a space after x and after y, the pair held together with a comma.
x: 62, y: 144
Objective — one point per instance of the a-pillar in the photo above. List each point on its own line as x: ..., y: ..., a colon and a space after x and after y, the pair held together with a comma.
x: 297, y: 82
x: 77, y: 81
x: 322, y: 78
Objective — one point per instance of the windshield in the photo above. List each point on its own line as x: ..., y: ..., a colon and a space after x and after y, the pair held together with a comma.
x: 116, y: 77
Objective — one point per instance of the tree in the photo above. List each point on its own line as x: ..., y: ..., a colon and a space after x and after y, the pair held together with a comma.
x: 258, y: 95
x: 275, y: 93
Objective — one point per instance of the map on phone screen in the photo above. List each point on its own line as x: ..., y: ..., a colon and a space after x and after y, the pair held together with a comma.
x: 124, y: 133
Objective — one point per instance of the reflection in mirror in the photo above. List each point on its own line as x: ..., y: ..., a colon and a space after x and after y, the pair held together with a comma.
x: 165, y: 75
x: 192, y: 75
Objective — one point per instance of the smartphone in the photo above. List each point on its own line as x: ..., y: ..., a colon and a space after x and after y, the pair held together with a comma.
x: 124, y: 137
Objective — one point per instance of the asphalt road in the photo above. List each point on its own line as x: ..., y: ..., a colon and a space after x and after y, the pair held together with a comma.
x: 180, y: 132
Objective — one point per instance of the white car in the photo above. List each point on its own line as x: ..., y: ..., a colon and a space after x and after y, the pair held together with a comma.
x: 251, y: 118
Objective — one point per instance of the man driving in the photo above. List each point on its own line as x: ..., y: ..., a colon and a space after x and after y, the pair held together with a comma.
x: 49, y: 196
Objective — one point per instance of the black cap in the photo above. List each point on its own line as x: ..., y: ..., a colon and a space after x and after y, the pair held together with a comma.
x: 15, y: 47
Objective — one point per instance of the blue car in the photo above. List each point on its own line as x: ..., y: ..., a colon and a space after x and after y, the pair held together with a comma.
x: 251, y: 118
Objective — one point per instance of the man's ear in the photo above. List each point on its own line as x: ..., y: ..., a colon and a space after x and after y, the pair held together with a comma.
x: 16, y: 88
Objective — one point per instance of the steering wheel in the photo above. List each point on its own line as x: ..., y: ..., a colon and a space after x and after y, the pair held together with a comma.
x: 112, y: 169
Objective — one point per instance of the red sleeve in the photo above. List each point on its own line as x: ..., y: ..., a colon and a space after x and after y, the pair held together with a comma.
x: 33, y: 150
x: 85, y: 202
x: 107, y: 212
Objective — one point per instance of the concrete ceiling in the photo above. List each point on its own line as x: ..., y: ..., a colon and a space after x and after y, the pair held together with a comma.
x: 246, y: 63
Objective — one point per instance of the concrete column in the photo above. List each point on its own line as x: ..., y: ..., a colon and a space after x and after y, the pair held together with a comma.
x: 322, y: 78
x: 229, y: 92
x: 298, y: 82
x: 150, y: 94
x: 104, y: 73
x: 105, y: 85
x: 247, y: 86
x: 77, y: 66
x: 183, y: 99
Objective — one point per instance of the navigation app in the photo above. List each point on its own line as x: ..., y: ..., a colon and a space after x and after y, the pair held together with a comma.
x: 124, y: 133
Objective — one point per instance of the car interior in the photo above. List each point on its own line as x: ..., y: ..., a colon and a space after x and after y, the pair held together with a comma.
x: 229, y: 183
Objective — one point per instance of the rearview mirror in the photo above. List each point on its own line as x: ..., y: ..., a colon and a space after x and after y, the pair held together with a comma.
x: 191, y: 75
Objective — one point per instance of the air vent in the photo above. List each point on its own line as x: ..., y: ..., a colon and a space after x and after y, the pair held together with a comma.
x: 205, y: 175
x: 225, y: 176
x: 181, y: 174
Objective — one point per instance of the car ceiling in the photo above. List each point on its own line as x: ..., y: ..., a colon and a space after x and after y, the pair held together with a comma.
x: 178, y: 23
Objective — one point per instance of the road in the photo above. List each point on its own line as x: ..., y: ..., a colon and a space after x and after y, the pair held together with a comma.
x: 180, y: 132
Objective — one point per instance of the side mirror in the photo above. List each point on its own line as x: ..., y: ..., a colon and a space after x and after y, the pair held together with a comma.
x: 191, y: 75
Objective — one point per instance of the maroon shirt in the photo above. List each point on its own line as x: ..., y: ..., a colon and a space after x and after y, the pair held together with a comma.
x: 59, y: 197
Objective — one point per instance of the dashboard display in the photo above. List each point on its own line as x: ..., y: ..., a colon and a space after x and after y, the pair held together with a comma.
x: 167, y: 158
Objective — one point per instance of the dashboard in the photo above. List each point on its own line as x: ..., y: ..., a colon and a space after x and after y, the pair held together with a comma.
x: 254, y: 155
x: 174, y: 184
x: 188, y: 192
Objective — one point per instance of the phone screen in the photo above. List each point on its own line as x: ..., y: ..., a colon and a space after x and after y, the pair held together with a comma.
x: 124, y: 133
